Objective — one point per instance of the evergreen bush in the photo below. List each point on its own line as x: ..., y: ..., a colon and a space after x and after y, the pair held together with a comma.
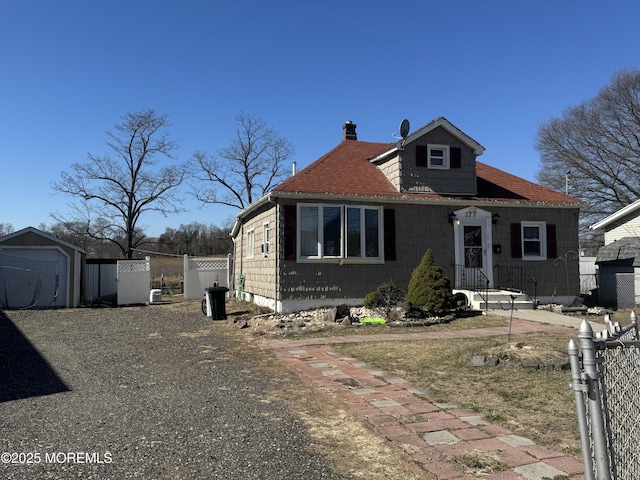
x: 429, y: 288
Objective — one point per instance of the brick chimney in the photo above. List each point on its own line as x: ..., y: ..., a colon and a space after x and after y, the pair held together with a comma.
x: 349, y: 131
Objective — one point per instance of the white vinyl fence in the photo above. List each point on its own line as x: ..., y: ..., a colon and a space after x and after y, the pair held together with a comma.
x: 588, y: 274
x: 134, y: 279
x: 204, y: 272
x: 130, y: 280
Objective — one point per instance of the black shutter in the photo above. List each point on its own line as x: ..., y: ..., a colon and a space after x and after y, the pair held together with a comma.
x: 516, y: 241
x: 552, y: 244
x: 389, y: 234
x: 455, y: 157
x: 421, y: 155
x: 289, y: 240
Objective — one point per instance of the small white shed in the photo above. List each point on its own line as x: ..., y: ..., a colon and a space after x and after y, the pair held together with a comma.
x: 38, y: 270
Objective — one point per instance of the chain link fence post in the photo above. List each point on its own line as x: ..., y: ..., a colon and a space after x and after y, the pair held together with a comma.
x: 580, y: 388
x: 592, y: 377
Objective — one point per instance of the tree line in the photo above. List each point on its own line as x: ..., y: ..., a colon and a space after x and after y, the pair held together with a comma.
x: 194, y: 239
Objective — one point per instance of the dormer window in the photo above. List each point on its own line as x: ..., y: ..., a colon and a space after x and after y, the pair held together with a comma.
x: 438, y: 156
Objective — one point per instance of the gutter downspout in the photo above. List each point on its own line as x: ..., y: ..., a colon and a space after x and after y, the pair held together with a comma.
x: 241, y: 259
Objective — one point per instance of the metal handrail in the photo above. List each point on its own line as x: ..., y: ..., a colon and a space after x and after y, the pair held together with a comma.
x: 474, y: 279
x: 516, y: 278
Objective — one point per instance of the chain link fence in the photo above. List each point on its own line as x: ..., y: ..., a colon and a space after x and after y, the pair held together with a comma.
x: 605, y: 370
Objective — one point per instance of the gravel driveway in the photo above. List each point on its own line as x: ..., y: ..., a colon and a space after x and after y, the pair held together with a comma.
x: 142, y: 392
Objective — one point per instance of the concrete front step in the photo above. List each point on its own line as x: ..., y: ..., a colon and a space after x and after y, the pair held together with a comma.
x: 497, y: 299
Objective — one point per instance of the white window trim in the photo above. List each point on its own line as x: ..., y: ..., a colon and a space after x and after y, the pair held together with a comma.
x: 251, y: 243
x: 445, y: 158
x: 266, y: 239
x: 542, y: 229
x: 342, y: 258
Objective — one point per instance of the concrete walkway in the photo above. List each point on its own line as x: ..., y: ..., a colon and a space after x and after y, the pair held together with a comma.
x: 429, y: 432
x: 552, y: 318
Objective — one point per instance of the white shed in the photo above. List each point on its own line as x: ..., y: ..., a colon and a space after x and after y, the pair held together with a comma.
x: 38, y: 270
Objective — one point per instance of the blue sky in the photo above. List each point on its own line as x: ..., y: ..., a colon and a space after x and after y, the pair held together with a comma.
x: 495, y: 69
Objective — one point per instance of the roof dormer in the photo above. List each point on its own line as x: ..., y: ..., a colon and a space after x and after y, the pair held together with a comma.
x: 437, y: 158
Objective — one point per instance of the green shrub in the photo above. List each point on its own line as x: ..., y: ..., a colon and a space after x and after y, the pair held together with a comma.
x: 429, y: 288
x: 384, y: 298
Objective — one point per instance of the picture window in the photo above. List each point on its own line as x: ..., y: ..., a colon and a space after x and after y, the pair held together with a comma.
x: 342, y: 232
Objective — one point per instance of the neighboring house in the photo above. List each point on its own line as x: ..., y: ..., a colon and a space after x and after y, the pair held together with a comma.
x: 623, y: 223
x: 618, y: 261
x: 365, y: 213
x: 38, y: 270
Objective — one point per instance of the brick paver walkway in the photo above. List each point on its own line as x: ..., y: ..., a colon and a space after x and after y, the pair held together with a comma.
x: 431, y: 433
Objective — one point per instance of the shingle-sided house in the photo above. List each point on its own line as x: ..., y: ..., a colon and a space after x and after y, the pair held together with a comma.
x: 365, y: 213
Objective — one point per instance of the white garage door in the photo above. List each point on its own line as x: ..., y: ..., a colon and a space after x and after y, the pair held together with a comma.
x: 33, y: 277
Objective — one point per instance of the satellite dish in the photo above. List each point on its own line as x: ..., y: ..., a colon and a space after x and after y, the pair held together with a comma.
x: 404, y: 128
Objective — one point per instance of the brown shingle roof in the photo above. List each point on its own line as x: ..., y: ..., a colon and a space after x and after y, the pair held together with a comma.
x: 347, y: 170
x: 498, y: 184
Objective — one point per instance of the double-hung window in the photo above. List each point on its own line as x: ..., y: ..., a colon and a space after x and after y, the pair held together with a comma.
x: 350, y: 233
x: 438, y: 156
x: 534, y: 241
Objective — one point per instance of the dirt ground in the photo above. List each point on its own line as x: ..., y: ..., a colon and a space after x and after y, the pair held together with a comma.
x: 350, y: 446
x: 169, y: 393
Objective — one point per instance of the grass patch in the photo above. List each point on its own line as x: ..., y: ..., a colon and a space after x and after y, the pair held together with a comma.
x: 537, y: 404
x: 480, y: 463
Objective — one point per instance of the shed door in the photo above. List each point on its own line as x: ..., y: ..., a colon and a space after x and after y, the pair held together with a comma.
x: 33, y: 277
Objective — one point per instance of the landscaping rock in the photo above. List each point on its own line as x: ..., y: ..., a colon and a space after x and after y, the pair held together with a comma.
x: 530, y: 365
x: 330, y: 315
x: 492, y: 362
x: 478, y: 360
x: 342, y: 311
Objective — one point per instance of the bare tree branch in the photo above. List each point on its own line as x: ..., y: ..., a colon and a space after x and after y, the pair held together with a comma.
x: 112, y: 195
x: 598, y: 143
x: 244, y: 171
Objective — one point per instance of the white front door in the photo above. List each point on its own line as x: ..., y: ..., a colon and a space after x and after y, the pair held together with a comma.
x: 473, y: 254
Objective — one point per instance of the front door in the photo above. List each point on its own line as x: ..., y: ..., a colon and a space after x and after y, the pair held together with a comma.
x: 473, y: 256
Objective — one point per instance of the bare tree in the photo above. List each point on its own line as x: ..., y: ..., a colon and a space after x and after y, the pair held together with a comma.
x: 112, y: 195
x: 250, y: 166
x: 5, y: 229
x: 594, y: 149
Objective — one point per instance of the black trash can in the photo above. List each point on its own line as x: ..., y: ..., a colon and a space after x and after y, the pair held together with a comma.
x: 216, y: 299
